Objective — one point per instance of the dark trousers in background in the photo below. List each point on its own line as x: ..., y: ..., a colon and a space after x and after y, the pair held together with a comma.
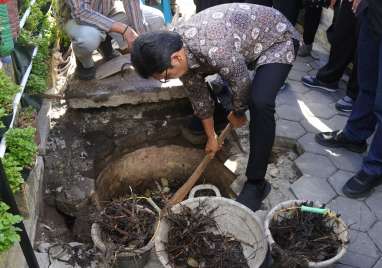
x: 342, y: 36
x: 366, y: 115
x: 262, y: 126
x: 291, y: 8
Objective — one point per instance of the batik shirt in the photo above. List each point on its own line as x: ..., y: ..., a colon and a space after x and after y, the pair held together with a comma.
x: 228, y: 40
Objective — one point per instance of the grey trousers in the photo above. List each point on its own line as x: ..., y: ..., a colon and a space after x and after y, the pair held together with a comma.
x: 85, y: 38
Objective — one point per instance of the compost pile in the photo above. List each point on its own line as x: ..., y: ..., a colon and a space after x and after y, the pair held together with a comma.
x: 126, y: 223
x: 193, y: 241
x: 302, y: 237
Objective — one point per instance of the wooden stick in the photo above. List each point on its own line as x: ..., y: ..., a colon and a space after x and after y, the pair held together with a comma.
x: 187, y: 186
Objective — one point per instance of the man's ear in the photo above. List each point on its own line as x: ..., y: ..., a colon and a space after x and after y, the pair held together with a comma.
x: 176, y: 58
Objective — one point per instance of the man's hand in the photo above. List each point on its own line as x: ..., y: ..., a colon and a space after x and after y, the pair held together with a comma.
x: 130, y: 35
x: 212, y: 146
x: 237, y: 121
x: 355, y: 5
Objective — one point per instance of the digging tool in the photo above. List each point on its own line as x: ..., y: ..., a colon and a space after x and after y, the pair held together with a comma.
x: 187, y: 186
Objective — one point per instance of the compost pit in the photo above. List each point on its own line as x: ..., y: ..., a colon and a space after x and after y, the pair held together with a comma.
x: 108, y: 151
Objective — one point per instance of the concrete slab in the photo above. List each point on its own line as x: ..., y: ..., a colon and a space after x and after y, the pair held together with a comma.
x: 289, y: 129
x: 378, y: 264
x: 362, y: 251
x: 338, y: 180
x: 376, y: 234
x: 374, y: 203
x: 346, y: 160
x: 117, y: 90
x: 354, y: 212
x: 289, y: 112
x: 303, y: 189
x: 315, y: 165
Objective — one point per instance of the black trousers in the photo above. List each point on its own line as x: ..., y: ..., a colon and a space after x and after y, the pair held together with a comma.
x: 262, y: 126
x: 203, y: 4
x: 291, y: 8
x: 342, y: 35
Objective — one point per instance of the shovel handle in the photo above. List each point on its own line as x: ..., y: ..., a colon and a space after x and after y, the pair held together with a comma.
x: 187, y: 186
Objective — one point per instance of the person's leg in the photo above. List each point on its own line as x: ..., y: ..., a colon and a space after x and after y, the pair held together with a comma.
x: 345, y: 104
x: 343, y: 39
x: 85, y: 39
x: 311, y: 22
x: 154, y: 18
x: 362, y: 121
x: 373, y: 162
x: 289, y: 8
x: 370, y: 174
x: 266, y: 83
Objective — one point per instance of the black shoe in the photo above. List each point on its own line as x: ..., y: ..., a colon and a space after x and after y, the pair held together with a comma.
x: 106, y: 49
x: 252, y: 194
x: 337, y: 139
x: 361, y: 184
x: 84, y: 73
x: 311, y: 81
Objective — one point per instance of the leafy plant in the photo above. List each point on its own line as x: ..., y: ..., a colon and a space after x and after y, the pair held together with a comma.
x: 21, y: 146
x: 7, y: 92
x: 36, y: 84
x: 8, y: 232
x: 2, y: 114
x: 12, y: 170
x: 35, y: 19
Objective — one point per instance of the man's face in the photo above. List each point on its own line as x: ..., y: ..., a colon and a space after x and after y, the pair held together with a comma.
x: 179, y: 67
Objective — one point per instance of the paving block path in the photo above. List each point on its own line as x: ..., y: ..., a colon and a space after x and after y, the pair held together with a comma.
x: 301, y: 113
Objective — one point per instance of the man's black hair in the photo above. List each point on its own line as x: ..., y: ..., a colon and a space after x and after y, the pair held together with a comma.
x: 152, y: 52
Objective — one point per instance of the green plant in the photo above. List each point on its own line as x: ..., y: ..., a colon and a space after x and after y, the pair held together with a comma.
x: 21, y: 145
x: 7, y: 92
x: 2, y: 114
x: 8, y: 232
x: 36, y: 84
x: 12, y: 170
x: 35, y: 19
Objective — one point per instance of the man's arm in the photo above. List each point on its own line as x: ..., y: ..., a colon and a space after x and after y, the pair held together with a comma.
x: 81, y: 12
x: 233, y: 69
x: 203, y: 106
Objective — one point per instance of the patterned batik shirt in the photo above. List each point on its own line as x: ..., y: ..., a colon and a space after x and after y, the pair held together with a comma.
x: 229, y: 40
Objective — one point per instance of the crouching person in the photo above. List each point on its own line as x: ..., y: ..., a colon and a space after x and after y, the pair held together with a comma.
x: 92, y: 24
x: 229, y: 40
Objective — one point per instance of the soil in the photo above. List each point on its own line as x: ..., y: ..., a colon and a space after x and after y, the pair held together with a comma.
x: 194, y: 241
x: 303, y: 237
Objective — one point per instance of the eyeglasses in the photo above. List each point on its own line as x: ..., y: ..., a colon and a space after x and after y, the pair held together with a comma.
x: 165, y: 79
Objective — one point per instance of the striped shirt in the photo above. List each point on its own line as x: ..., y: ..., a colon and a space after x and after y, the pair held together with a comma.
x: 98, y: 12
